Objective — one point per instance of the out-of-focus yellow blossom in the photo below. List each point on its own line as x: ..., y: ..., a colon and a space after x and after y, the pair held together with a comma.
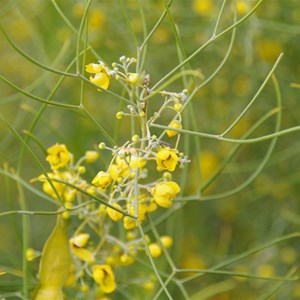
x: 58, y: 156
x: 268, y: 49
x: 96, y: 19
x: 69, y: 195
x: 161, y: 35
x: 137, y: 162
x: 100, y: 77
x: 91, y: 156
x: 149, y: 285
x: 148, y: 202
x: 130, y: 235
x: 154, y: 249
x: 71, y: 280
x: 242, y: 7
x: 142, y: 209
x: 178, y: 107
x: 167, y: 241
x: 164, y: 192
x: 167, y: 159
x: 129, y: 223
x: 288, y: 255
x: 78, y: 10
x: 30, y: 254
x: 47, y: 188
x: 151, y: 206
x: 193, y: 260
x: 113, y: 260
x: 54, y: 265
x: 91, y: 190
x: 113, y: 214
x: 77, y: 244
x: 126, y: 259
x: 120, y: 169
x: 241, y: 86
x: 297, y: 291
x: 84, y: 288
x: 119, y: 115
x: 265, y: 270
x: 242, y: 269
x: 174, y: 124
x: 203, y: 7
x: 102, y: 180
x: 104, y: 276
x: 208, y: 164
x: 133, y: 78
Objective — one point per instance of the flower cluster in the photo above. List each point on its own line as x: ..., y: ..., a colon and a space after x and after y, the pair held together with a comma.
x: 136, y: 182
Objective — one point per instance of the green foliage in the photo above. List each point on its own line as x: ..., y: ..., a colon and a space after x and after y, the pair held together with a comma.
x: 232, y: 69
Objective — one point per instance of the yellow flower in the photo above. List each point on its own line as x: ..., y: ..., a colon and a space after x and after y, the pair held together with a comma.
x: 101, y: 77
x: 80, y: 240
x: 102, y: 180
x: 133, y: 78
x: 268, y: 49
x: 174, y: 124
x: 113, y: 214
x: 104, y: 276
x: 142, y: 209
x: 126, y: 259
x: 165, y: 192
x: 96, y: 19
x: 166, y: 159
x: 58, y: 156
x: 242, y: 7
x: 151, y: 206
x: 166, y: 240
x: 129, y: 223
x: 91, y: 156
x: 155, y: 250
x: 137, y: 162
x: 47, y: 188
x: 30, y: 254
x: 203, y: 7
x: 120, y: 169
x: 77, y: 244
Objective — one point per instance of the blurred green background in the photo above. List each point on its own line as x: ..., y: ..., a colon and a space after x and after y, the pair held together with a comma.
x: 207, y: 232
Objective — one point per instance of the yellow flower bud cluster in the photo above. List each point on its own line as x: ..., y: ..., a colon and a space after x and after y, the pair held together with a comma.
x: 119, y: 192
x: 62, y: 183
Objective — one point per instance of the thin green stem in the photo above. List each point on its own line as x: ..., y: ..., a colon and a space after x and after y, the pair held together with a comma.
x: 129, y: 24
x: 255, y: 96
x: 25, y: 241
x: 34, y: 61
x: 81, y: 28
x: 247, y: 253
x: 220, y: 15
x: 155, y: 26
x: 210, y: 41
x: 41, y: 100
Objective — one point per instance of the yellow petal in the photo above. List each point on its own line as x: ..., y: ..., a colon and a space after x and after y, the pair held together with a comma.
x: 83, y: 254
x: 104, y: 276
x: 100, y: 79
x: 80, y: 240
x: 113, y: 214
